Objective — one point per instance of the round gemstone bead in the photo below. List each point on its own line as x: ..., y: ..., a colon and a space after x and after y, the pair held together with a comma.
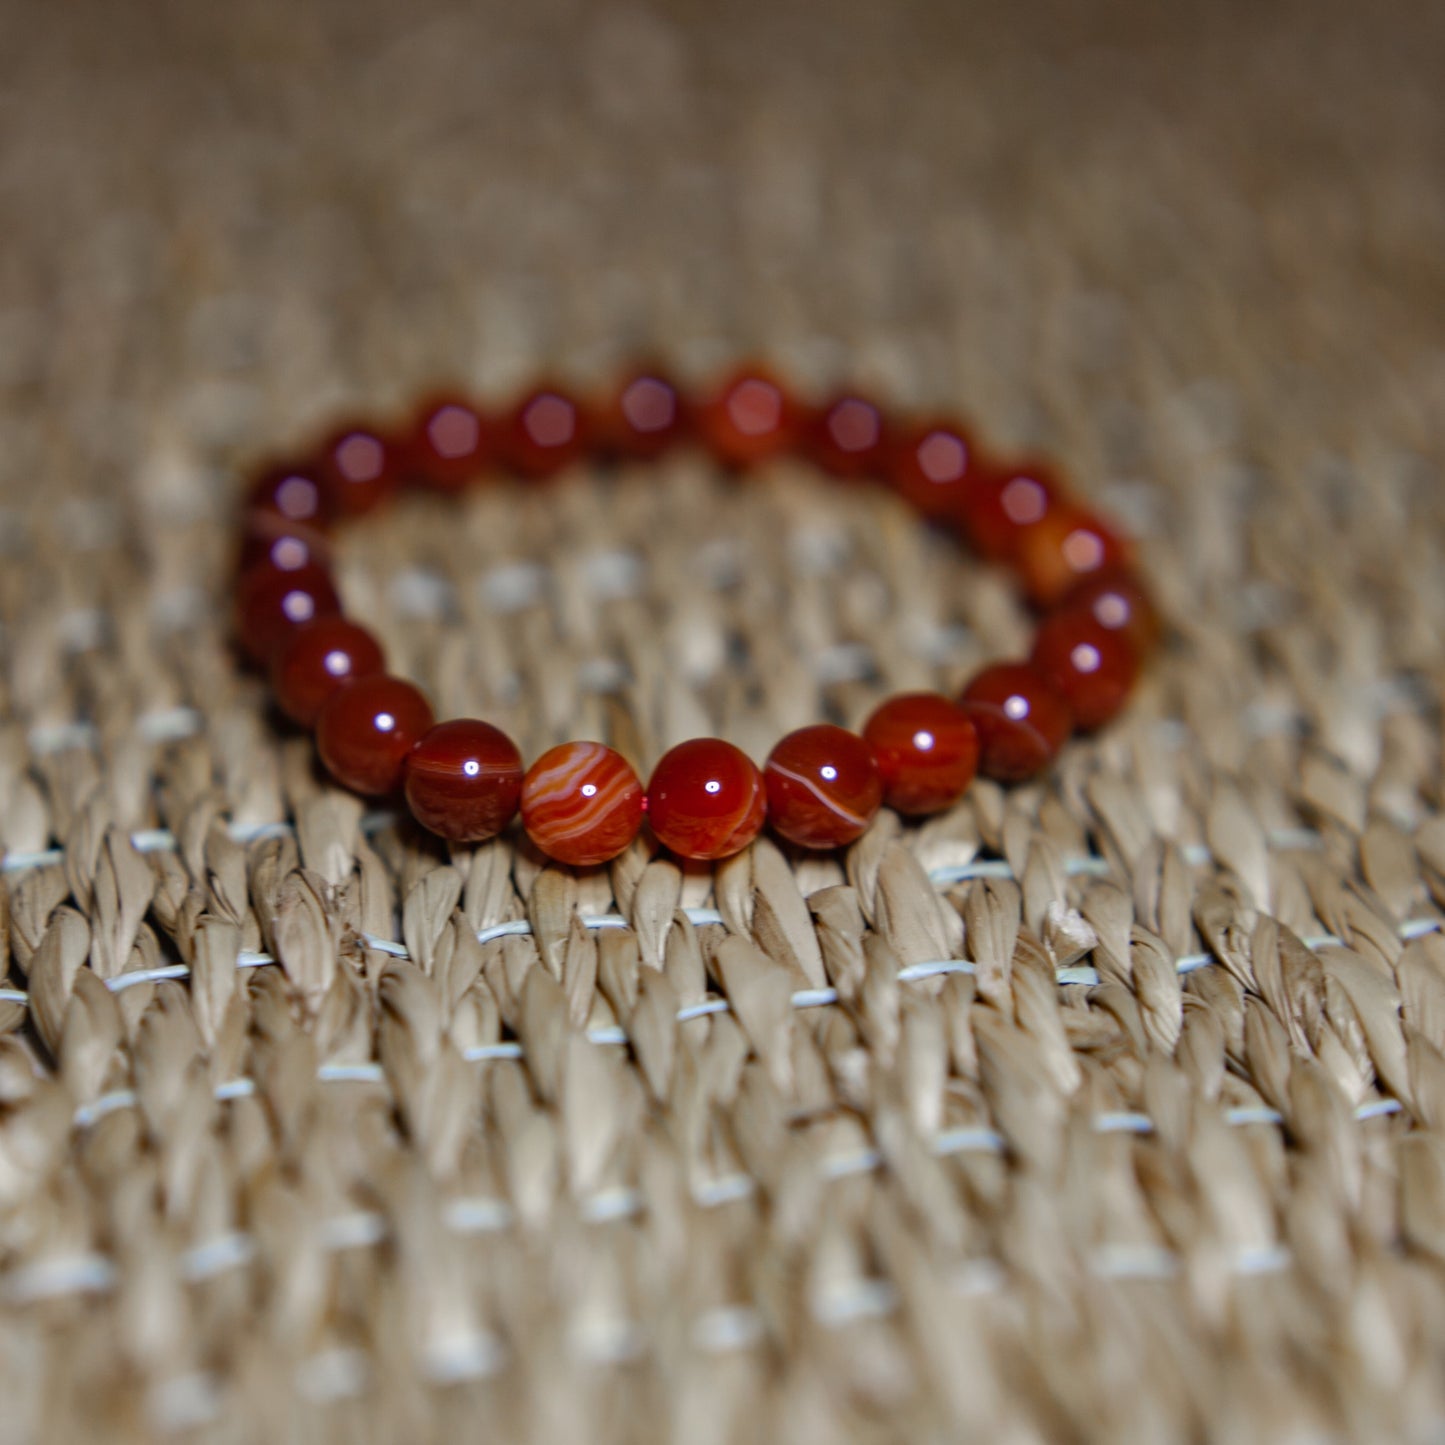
x: 645, y: 418
x: 268, y: 538
x: 706, y: 799
x: 358, y: 471
x: 544, y: 433
x: 292, y: 494
x: 271, y: 601
x: 316, y: 659
x: 993, y: 513
x: 1064, y: 546
x: 581, y: 803
x: 1021, y: 719
x: 1094, y: 669
x: 448, y: 445
x: 926, y: 748
x: 367, y: 728
x: 848, y: 438
x: 464, y: 780
x: 933, y: 468
x: 823, y: 786
x: 750, y: 419
x: 1118, y: 600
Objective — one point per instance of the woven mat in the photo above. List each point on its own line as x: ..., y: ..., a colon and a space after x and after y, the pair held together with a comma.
x: 1102, y: 1108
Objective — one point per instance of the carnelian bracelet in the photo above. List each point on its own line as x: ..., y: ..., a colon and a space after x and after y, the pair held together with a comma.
x: 581, y: 803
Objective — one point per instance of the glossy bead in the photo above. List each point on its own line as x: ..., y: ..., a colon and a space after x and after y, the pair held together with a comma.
x: 993, y: 513
x: 448, y: 445
x: 926, y: 748
x: 706, y: 799
x: 824, y: 787
x: 464, y: 780
x: 358, y: 470
x: 316, y: 659
x: 1093, y: 668
x: 847, y: 438
x: 1022, y: 720
x: 545, y: 432
x: 293, y: 494
x: 1118, y: 600
x: 646, y: 417
x: 271, y: 601
x: 749, y: 419
x: 933, y: 467
x: 1065, y: 546
x: 268, y: 538
x: 367, y: 728
x: 581, y: 803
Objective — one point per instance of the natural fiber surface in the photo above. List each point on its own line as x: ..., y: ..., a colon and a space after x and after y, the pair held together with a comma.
x: 403, y: 1184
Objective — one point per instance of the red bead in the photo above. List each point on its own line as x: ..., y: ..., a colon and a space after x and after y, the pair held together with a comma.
x: 749, y: 419
x: 293, y: 494
x: 463, y: 780
x: 448, y: 446
x: 933, y: 468
x: 367, y: 728
x: 358, y: 471
x: 1093, y: 668
x: 645, y: 418
x: 581, y: 803
x: 1066, y: 545
x: 706, y: 799
x: 1022, y: 720
x: 848, y: 438
x: 993, y: 513
x: 1118, y: 600
x: 316, y: 659
x: 271, y: 601
x: 544, y: 433
x: 824, y: 787
x: 268, y: 538
x: 926, y: 748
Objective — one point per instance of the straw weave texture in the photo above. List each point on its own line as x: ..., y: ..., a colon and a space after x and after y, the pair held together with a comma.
x: 1111, y: 1107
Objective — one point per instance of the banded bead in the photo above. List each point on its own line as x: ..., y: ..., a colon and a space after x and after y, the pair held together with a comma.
x: 706, y: 799
x: 464, y: 780
x: 823, y: 786
x: 581, y: 803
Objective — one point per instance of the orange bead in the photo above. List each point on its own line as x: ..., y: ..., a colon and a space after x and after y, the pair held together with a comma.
x: 545, y: 433
x: 1118, y: 600
x: 848, y: 437
x: 314, y: 660
x: 993, y: 513
x: 824, y: 788
x: 1093, y: 668
x: 358, y: 470
x: 645, y: 418
x: 1021, y: 718
x: 464, y: 780
x: 926, y: 748
x: 1065, y: 546
x: 933, y: 467
x: 706, y: 799
x: 750, y: 419
x: 581, y: 803
x: 448, y: 446
x: 367, y: 728
x: 272, y: 601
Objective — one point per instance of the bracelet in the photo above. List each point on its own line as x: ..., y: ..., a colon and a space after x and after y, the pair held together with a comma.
x: 581, y: 802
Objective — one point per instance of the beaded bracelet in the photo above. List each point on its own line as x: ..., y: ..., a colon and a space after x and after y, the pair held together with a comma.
x: 581, y: 803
